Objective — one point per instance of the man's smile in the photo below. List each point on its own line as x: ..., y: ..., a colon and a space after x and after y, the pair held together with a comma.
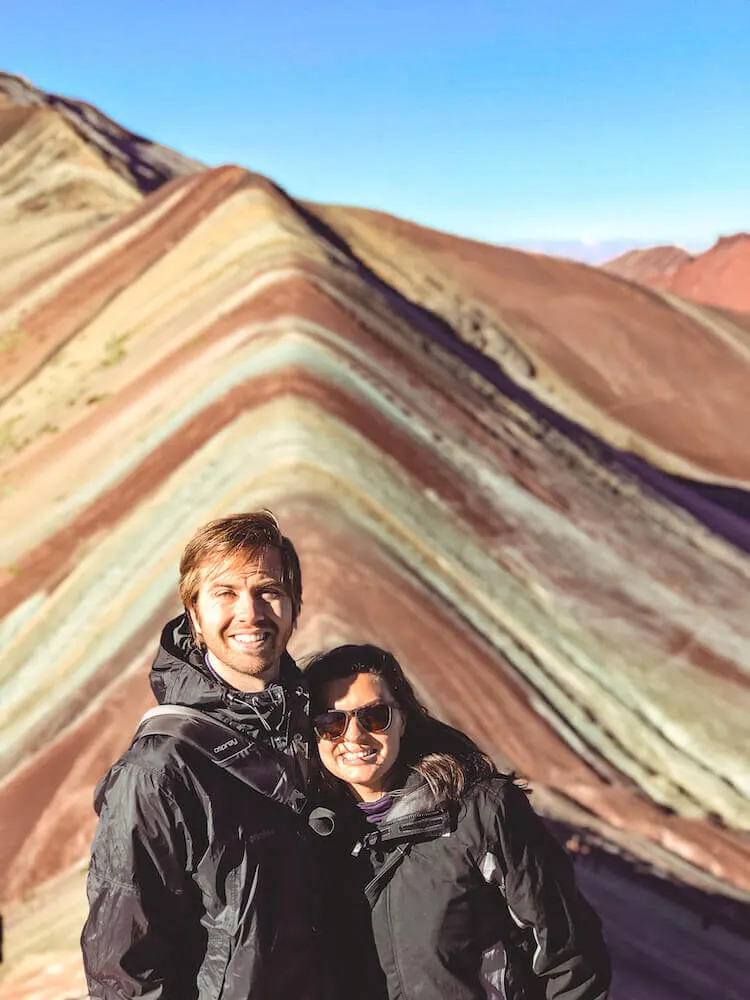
x: 252, y: 638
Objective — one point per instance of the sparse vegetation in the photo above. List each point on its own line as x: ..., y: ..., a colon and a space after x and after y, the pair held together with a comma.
x: 114, y: 351
x: 6, y: 433
x: 12, y: 338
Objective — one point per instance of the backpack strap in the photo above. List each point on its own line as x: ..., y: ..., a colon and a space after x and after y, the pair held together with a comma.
x: 261, y: 767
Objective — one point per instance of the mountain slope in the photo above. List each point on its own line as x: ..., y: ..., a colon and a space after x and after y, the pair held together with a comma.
x: 144, y: 164
x: 437, y: 425
x: 330, y: 366
x: 580, y: 341
x: 55, y: 191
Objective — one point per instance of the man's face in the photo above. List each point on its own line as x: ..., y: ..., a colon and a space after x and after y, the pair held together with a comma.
x: 243, y: 613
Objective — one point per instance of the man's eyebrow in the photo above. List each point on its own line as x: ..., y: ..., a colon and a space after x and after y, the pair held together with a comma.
x: 219, y: 582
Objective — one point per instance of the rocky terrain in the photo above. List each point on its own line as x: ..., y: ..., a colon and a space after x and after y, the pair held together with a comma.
x: 525, y: 476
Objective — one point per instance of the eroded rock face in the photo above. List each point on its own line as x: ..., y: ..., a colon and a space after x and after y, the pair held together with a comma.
x: 475, y: 452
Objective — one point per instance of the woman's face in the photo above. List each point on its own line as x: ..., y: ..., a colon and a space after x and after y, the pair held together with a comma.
x: 363, y: 760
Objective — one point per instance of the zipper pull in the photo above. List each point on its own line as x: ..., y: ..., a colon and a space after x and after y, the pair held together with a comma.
x: 369, y: 840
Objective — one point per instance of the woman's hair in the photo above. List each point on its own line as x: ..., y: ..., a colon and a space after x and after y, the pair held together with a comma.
x: 447, y: 759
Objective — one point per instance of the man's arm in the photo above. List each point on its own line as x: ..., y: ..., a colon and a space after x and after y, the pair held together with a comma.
x: 140, y: 908
x: 571, y: 956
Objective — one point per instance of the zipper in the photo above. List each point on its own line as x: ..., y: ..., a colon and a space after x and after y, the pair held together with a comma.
x: 371, y: 839
x: 401, y: 828
x: 524, y: 925
x: 372, y: 889
x: 416, y: 823
x: 424, y: 823
x: 393, y: 939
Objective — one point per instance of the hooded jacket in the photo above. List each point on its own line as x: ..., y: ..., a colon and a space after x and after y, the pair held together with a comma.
x: 199, y: 886
x: 477, y: 900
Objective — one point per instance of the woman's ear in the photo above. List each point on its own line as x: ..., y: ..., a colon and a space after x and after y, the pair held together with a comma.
x: 401, y: 719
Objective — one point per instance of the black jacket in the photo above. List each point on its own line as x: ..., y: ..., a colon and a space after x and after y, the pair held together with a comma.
x: 199, y: 886
x: 477, y: 901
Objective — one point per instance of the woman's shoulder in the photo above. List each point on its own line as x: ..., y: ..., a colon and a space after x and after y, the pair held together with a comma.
x: 488, y: 808
x: 499, y: 791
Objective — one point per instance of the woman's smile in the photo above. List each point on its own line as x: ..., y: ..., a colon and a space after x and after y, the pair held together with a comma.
x: 364, y: 756
x: 362, y: 759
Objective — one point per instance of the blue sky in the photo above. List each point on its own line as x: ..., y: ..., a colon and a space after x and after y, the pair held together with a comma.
x: 506, y: 121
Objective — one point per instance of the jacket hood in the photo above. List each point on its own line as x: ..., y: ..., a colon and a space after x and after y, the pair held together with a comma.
x: 179, y: 675
x: 278, y: 715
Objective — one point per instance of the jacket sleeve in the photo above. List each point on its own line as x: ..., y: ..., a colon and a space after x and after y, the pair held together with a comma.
x: 570, y: 956
x: 134, y: 940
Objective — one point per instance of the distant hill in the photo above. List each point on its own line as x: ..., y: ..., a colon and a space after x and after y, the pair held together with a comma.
x: 588, y: 252
x: 647, y: 265
x: 720, y: 276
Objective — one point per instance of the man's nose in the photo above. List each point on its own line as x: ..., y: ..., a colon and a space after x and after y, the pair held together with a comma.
x: 250, y: 606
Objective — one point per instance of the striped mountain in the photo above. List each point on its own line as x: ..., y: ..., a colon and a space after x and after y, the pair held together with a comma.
x: 525, y: 476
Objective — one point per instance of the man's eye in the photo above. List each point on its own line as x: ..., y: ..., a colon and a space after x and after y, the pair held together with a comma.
x: 225, y: 593
x: 272, y: 593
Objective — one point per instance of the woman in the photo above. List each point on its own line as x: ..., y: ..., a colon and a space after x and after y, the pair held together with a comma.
x: 470, y: 897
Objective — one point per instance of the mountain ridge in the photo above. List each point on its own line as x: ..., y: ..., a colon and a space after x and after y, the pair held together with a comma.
x: 145, y: 164
x: 455, y: 491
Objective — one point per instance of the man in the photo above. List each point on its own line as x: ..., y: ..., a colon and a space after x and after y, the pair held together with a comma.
x: 199, y: 884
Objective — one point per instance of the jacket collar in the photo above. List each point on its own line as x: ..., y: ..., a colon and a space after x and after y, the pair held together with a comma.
x: 415, y: 815
x: 279, y: 715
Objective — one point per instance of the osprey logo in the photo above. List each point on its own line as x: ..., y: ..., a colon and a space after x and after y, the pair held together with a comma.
x: 225, y: 746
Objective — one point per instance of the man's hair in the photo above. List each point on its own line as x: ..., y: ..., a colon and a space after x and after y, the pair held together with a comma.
x: 244, y: 535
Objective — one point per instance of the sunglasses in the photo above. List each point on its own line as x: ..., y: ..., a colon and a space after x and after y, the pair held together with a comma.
x: 372, y: 718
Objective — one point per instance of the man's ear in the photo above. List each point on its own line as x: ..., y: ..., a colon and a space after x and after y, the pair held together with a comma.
x: 195, y: 627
